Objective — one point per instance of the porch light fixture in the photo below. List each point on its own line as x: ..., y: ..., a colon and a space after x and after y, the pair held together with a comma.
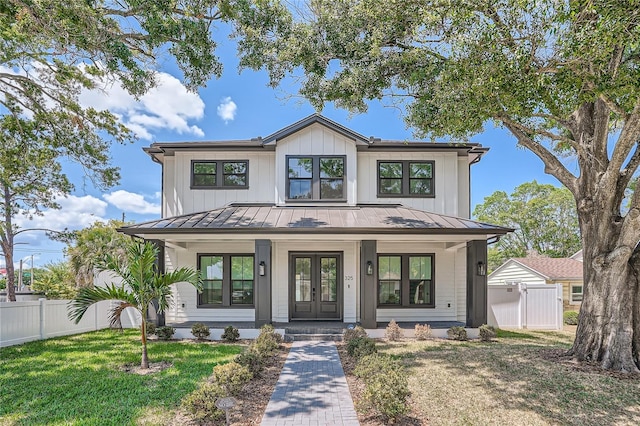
x: 369, y: 267
x: 261, y: 268
x: 482, y: 269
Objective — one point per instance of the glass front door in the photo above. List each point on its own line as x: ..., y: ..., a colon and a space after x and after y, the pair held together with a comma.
x: 315, y: 286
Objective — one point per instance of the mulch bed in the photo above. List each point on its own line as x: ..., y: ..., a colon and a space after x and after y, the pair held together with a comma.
x: 356, y: 386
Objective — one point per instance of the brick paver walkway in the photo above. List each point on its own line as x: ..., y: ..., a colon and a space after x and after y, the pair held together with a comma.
x: 312, y: 389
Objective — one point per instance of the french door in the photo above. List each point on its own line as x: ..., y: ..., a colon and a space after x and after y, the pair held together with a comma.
x: 315, y: 286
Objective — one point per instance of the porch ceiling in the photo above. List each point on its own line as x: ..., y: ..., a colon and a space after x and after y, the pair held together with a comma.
x: 305, y: 220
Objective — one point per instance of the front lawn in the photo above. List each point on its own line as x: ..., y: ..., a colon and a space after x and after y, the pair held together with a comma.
x: 79, y: 379
x: 519, y: 379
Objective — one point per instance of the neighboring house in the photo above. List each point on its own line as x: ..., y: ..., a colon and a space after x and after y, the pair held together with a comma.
x: 318, y: 222
x: 544, y: 270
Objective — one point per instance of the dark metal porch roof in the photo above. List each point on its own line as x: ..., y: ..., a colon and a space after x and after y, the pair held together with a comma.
x: 360, y: 219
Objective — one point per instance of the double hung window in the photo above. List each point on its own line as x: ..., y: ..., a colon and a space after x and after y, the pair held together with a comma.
x: 227, y: 280
x: 315, y: 177
x: 406, y: 280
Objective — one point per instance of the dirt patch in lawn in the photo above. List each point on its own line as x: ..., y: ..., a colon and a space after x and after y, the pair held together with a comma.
x: 154, y: 367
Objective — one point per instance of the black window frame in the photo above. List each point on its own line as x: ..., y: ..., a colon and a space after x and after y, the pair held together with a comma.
x: 227, y: 287
x: 220, y: 174
x: 405, y: 281
x: 316, y: 179
x: 406, y: 179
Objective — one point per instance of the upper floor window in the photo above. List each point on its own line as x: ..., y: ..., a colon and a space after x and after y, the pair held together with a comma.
x: 227, y: 280
x: 315, y: 177
x: 219, y: 174
x: 405, y: 179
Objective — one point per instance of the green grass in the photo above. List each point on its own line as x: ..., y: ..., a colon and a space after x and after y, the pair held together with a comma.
x: 79, y: 379
x: 510, y: 381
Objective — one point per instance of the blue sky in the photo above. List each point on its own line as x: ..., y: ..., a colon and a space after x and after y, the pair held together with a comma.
x: 237, y: 106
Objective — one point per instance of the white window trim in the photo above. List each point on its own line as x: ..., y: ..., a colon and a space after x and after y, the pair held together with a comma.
x: 571, y: 301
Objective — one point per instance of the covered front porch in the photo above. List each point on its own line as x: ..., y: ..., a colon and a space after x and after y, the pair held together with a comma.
x: 321, y: 263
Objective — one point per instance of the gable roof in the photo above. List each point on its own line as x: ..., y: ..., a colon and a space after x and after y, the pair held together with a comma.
x: 361, y: 219
x: 158, y: 150
x: 548, y: 267
x: 312, y: 119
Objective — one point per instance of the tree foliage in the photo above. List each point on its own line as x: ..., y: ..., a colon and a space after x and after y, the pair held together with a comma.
x: 89, y: 247
x: 50, y: 51
x: 562, y: 76
x: 56, y: 281
x: 141, y: 283
x: 544, y: 218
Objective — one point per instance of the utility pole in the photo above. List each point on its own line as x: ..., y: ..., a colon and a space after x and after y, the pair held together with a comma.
x: 20, y: 277
x: 31, y: 275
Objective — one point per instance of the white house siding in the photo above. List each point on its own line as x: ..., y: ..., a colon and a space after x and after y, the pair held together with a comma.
x: 180, y: 199
x: 450, y: 282
x: 280, y: 274
x: 185, y: 298
x: 464, y: 209
x: 447, y: 182
x: 315, y: 140
x: 461, y: 283
x: 514, y: 272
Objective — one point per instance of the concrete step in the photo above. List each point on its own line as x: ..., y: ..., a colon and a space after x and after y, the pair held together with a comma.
x: 314, y: 337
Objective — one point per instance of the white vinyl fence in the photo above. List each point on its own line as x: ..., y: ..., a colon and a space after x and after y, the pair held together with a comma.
x: 533, y: 306
x: 22, y: 322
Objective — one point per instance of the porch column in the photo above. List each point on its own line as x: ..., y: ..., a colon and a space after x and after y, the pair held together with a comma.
x: 476, y: 283
x: 159, y: 317
x: 368, y: 291
x: 262, y: 290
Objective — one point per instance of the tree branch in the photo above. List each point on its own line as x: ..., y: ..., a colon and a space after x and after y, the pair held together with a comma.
x: 553, y: 166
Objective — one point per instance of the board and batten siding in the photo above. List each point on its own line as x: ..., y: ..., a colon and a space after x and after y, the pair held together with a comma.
x: 185, y: 296
x: 514, y: 272
x: 447, y: 182
x: 315, y: 140
x: 450, y: 280
x: 180, y: 199
x: 280, y: 274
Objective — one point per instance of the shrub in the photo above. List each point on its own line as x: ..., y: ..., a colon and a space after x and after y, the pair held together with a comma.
x: 150, y: 328
x: 570, y: 318
x: 361, y: 346
x: 268, y: 342
x: 165, y: 332
x: 457, y: 333
x: 487, y: 333
x: 423, y: 332
x: 386, y: 385
x: 200, y: 331
x: 252, y: 360
x: 231, y: 334
x: 201, y: 403
x: 393, y: 331
x: 232, y: 376
x: 352, y: 333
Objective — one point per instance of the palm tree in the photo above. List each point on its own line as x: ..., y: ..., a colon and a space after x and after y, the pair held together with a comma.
x: 141, y: 283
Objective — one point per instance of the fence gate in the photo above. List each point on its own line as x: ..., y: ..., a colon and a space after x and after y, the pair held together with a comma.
x: 534, y: 306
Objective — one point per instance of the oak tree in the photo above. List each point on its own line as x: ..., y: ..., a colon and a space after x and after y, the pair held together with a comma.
x: 562, y: 76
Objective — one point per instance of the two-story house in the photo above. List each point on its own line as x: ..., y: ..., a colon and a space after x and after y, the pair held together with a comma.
x: 319, y: 222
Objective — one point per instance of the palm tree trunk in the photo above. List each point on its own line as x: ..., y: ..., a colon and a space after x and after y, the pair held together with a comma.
x: 145, y: 360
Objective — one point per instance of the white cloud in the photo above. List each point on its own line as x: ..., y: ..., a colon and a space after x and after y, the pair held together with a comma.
x: 74, y: 213
x: 131, y: 202
x: 168, y: 106
x: 227, y: 109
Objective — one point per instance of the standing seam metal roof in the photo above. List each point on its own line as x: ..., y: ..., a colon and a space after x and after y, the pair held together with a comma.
x: 355, y: 219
